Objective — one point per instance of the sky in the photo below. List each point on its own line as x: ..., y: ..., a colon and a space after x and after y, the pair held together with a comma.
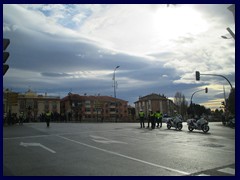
x: 62, y: 48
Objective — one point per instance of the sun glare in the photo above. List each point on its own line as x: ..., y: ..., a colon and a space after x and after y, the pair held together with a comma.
x: 175, y: 22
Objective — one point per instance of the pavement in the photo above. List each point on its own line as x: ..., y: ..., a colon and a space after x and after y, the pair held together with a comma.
x: 116, y: 149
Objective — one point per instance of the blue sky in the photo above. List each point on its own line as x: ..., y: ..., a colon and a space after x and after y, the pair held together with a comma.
x: 61, y: 48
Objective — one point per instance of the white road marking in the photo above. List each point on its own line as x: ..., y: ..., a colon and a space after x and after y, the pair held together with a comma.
x: 228, y: 170
x: 37, y: 144
x: 103, y: 140
x: 203, y: 175
x: 127, y: 157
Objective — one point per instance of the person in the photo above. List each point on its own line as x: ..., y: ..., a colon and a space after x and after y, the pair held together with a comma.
x: 21, y: 117
x: 48, y: 118
x: 149, y: 117
x: 158, y: 117
x: 152, y: 117
x: 142, y: 116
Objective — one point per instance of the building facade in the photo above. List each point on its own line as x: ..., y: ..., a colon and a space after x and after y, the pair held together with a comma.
x: 30, y: 103
x: 94, y: 108
x: 154, y: 102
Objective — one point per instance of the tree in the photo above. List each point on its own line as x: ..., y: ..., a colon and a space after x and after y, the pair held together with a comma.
x: 231, y: 102
x: 180, y: 101
x: 196, y: 109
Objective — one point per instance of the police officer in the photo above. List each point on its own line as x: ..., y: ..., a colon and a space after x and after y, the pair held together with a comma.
x: 48, y: 118
x: 142, y: 116
x: 149, y: 118
x: 160, y: 119
x: 152, y: 117
x: 157, y: 117
x: 21, y: 117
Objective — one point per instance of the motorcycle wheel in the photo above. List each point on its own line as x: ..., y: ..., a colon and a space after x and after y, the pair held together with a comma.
x: 168, y: 126
x: 205, y: 128
x: 179, y: 126
x: 190, y: 128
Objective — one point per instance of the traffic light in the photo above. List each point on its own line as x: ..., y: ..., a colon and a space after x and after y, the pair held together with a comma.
x: 206, y: 90
x: 197, y: 75
x: 6, y: 42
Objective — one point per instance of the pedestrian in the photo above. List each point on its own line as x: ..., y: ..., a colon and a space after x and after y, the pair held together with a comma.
x: 142, y: 117
x: 48, y: 118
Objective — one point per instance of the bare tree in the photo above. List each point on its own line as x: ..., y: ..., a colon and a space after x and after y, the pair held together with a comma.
x: 182, y: 104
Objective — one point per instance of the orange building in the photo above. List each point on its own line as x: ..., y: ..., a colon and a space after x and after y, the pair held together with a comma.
x: 94, y: 108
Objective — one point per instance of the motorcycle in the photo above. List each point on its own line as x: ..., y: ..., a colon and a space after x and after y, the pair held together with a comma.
x: 231, y: 123
x: 200, y: 124
x: 174, y: 122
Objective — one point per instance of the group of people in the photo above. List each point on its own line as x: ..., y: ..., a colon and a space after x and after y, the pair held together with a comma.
x: 153, y: 118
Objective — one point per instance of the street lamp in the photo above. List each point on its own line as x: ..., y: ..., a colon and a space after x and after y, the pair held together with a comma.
x: 114, y: 82
x: 114, y: 87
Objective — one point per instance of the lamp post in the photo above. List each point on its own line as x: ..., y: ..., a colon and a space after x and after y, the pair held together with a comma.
x: 114, y: 81
x: 114, y: 87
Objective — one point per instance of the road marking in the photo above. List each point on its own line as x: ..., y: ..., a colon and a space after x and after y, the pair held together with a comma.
x: 103, y: 140
x: 25, y: 137
x: 37, y: 144
x: 124, y: 156
x: 203, y: 175
x: 227, y: 170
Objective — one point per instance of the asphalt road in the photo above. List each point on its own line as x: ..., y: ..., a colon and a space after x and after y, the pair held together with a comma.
x: 116, y: 149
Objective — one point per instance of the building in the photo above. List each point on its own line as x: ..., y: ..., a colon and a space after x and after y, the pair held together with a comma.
x: 94, y: 108
x: 155, y: 102
x: 30, y: 103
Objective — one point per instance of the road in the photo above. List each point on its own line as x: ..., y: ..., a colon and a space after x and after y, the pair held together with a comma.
x: 116, y: 149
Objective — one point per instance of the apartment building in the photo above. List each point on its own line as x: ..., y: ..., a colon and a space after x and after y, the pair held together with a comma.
x: 154, y: 102
x: 30, y: 103
x: 94, y: 108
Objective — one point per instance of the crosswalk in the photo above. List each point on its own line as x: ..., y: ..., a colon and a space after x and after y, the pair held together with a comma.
x: 222, y: 171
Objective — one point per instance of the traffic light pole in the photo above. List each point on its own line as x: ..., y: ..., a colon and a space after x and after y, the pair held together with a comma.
x: 195, y: 93
x: 198, y: 77
x: 219, y: 76
x: 206, y: 90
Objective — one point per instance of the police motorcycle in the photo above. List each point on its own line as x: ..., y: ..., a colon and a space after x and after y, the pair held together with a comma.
x: 231, y: 122
x: 200, y: 124
x: 175, y: 122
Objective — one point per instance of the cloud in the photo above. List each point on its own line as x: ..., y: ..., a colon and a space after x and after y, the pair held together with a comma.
x: 61, y: 48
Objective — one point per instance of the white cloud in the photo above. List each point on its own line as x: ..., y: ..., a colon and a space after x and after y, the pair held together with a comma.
x: 159, y: 48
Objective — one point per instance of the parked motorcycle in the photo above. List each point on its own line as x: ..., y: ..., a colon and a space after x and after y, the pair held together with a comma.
x: 231, y: 122
x: 174, y: 122
x: 200, y: 124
